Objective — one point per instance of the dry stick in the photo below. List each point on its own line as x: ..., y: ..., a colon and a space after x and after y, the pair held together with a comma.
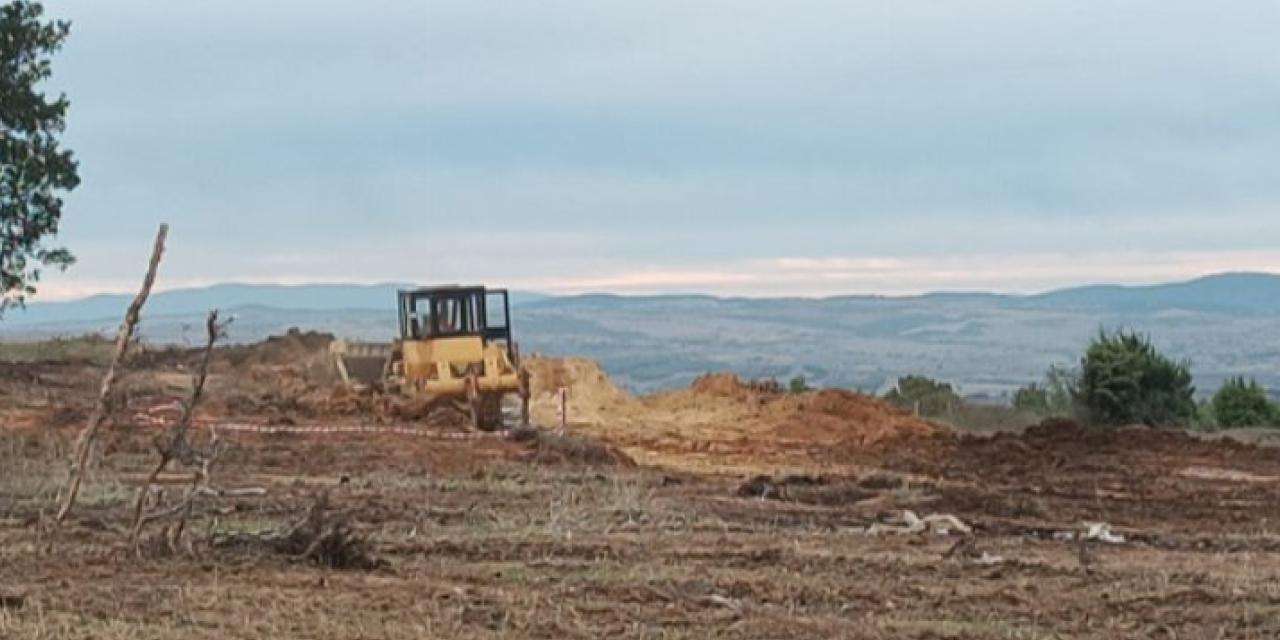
x: 177, y: 445
x: 90, y: 431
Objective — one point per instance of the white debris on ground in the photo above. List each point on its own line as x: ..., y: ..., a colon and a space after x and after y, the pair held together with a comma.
x: 987, y: 559
x: 908, y: 523
x: 1100, y: 531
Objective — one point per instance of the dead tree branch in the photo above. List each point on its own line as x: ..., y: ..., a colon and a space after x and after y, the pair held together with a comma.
x: 321, y: 535
x: 85, y: 442
x: 175, y: 445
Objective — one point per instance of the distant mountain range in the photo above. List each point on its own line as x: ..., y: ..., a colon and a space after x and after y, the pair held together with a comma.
x: 198, y: 301
x: 1227, y: 324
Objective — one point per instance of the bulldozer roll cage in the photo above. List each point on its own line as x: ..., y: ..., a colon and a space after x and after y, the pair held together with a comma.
x: 452, y: 311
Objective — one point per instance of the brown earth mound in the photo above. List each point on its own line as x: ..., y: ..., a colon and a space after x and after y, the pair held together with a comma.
x: 1057, y: 449
x: 284, y: 377
x: 289, y: 349
x: 841, y: 417
x: 592, y: 396
x: 729, y: 385
x: 721, y: 422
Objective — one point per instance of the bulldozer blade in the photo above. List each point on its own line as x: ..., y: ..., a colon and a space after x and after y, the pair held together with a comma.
x: 360, y: 364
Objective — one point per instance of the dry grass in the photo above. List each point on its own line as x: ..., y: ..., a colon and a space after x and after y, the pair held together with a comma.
x: 479, y: 536
x: 90, y: 348
x: 513, y: 549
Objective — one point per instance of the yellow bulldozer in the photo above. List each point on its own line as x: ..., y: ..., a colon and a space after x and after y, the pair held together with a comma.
x: 454, y: 347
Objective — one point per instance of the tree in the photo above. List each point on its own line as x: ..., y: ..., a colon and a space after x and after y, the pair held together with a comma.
x: 1243, y: 404
x: 929, y: 396
x: 34, y: 169
x: 1124, y: 380
x: 1053, y: 397
x: 799, y: 384
x: 1032, y: 398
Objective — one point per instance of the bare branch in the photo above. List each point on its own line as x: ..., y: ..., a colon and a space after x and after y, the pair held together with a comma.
x: 85, y: 442
x: 176, y: 444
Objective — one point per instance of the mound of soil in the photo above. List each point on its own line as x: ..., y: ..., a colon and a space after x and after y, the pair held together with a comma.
x: 592, y: 396
x: 549, y: 448
x: 729, y: 385
x: 841, y: 417
x: 284, y: 376
x: 721, y: 422
x: 1058, y: 452
x: 293, y: 347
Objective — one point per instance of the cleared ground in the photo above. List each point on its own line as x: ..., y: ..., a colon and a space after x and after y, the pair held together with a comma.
x: 482, y: 535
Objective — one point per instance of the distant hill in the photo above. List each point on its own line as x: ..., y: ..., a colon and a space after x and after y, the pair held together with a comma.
x: 1227, y: 292
x: 314, y: 297
x: 986, y: 343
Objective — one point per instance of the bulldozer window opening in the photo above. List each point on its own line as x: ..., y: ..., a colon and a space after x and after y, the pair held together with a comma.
x: 496, y: 310
x: 445, y: 312
x: 417, y: 318
x: 456, y: 315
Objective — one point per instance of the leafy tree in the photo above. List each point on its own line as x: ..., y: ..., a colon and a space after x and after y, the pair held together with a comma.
x: 1053, y: 397
x: 798, y: 384
x: 1243, y: 404
x: 34, y: 169
x: 1032, y: 398
x: 1124, y: 380
x: 1205, y: 419
x: 930, y: 396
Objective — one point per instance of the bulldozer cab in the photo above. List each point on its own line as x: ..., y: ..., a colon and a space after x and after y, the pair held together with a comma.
x: 452, y: 312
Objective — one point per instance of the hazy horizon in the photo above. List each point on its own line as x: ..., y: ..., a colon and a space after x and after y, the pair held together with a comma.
x: 159, y: 288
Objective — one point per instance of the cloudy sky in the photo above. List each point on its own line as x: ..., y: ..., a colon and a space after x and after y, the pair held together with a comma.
x: 730, y: 146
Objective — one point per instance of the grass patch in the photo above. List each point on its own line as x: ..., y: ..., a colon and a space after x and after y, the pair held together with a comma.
x: 91, y: 348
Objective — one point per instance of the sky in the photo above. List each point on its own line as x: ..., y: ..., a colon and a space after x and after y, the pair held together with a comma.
x: 735, y: 147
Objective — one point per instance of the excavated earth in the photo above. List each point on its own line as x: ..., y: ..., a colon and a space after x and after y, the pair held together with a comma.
x: 726, y: 509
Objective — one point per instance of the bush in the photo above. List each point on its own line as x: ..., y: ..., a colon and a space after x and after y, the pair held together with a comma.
x: 799, y: 384
x: 1033, y: 398
x: 931, y: 397
x: 1124, y: 380
x: 1243, y: 404
x: 1053, y: 397
x: 1205, y: 419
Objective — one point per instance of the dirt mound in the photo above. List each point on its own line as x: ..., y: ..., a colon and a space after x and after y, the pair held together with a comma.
x: 284, y: 376
x: 721, y: 422
x: 592, y: 396
x: 550, y: 448
x: 581, y: 376
x: 729, y: 385
x: 291, y: 348
x: 1056, y: 449
x: 841, y: 417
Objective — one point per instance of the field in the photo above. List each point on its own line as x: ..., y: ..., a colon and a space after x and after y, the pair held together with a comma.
x: 720, y: 510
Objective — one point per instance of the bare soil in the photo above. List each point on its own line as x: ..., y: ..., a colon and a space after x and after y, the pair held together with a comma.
x: 724, y: 510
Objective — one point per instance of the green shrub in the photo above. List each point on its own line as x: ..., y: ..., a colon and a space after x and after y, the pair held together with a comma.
x: 1033, y: 398
x: 1050, y: 398
x: 799, y: 384
x: 1243, y: 404
x: 1205, y: 419
x: 929, y: 396
x: 1124, y: 380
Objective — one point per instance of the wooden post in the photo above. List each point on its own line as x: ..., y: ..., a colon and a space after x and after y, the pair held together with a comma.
x: 85, y: 442
x: 564, y: 409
